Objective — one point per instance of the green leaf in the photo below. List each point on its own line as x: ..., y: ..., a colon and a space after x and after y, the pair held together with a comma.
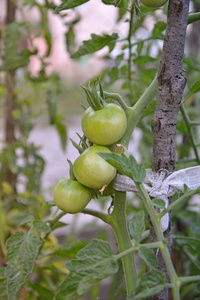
x: 96, y: 43
x: 94, y: 262
x: 22, y: 252
x: 68, y: 288
x: 137, y: 225
x: 41, y: 227
x: 43, y: 292
x: 97, y: 249
x: 192, y: 63
x: 70, y: 39
x: 45, y: 27
x: 58, y: 225
x: 143, y: 59
x: 147, y: 293
x: 148, y: 257
x: 149, y: 284
x: 86, y: 284
x: 158, y: 28
x: 151, y: 279
x: 67, y: 4
x: 195, y: 87
x: 61, y: 128
x: 3, y: 283
x: 126, y: 165
x: 71, y: 251
x: 13, y: 59
x: 139, y: 47
x: 158, y: 203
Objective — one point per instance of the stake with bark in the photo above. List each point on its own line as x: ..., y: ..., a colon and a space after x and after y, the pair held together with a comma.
x: 171, y: 84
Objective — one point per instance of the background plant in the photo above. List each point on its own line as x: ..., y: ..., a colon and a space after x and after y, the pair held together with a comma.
x: 28, y: 214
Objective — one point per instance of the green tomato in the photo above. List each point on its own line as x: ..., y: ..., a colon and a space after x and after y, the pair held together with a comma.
x: 71, y: 196
x: 93, y: 171
x: 105, y: 126
x: 153, y: 3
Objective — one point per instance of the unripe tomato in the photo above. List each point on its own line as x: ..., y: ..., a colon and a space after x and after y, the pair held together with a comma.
x: 71, y: 196
x: 93, y: 171
x: 153, y: 3
x: 105, y: 126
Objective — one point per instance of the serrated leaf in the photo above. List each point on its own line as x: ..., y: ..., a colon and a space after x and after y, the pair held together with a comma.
x: 72, y: 251
x: 126, y: 165
x: 158, y: 203
x: 86, y: 284
x: 58, y: 225
x: 148, y: 257
x: 97, y: 249
x: 150, y: 280
x: 96, y: 43
x: 27, y: 219
x: 94, y: 262
x: 41, y: 227
x: 147, y: 293
x: 14, y: 59
x: 137, y: 225
x: 195, y: 87
x: 44, y: 293
x: 3, y: 284
x: 68, y: 288
x: 22, y: 252
x: 67, y: 4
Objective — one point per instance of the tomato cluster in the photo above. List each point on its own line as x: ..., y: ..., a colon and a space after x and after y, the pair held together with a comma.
x: 103, y: 124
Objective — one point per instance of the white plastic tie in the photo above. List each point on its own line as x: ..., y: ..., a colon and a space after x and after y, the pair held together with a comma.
x: 162, y: 185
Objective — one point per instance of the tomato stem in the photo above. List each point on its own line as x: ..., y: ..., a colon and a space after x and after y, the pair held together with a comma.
x: 134, y: 113
x: 164, y: 249
x: 102, y: 216
x: 117, y: 98
x: 193, y: 17
x: 119, y: 225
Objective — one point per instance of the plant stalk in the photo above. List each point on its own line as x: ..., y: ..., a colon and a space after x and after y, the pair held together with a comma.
x: 159, y: 234
x: 119, y: 225
x: 134, y: 113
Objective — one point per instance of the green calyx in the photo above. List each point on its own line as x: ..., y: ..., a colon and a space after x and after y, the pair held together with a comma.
x: 71, y: 172
x: 83, y: 144
x: 94, y: 99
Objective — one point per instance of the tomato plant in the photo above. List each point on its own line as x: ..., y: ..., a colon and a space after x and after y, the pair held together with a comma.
x: 131, y: 62
x: 105, y: 126
x: 93, y: 171
x: 153, y: 3
x: 71, y: 196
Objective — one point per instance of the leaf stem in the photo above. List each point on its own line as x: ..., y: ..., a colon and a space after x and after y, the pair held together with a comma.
x: 193, y: 18
x: 187, y: 279
x: 175, y: 203
x: 102, y: 216
x: 117, y: 98
x: 56, y: 218
x: 119, y: 225
x: 135, y: 248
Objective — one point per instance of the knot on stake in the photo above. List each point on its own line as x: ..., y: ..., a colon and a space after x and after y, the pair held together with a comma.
x: 162, y: 185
